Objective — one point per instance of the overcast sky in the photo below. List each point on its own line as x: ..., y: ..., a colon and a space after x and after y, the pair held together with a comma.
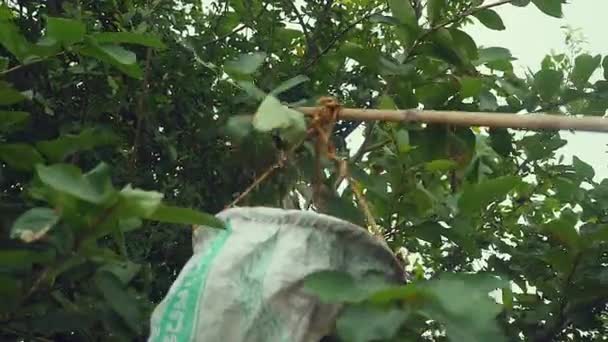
x: 531, y: 34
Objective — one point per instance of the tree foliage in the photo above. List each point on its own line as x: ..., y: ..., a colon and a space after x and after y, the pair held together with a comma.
x: 159, y: 95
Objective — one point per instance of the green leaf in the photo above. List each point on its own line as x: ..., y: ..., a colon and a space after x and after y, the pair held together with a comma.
x: 34, y: 224
x: 446, y: 48
x: 9, y: 95
x: 341, y: 287
x: 68, y: 31
x: 490, y: 19
x: 402, y: 140
x: 14, y: 41
x: 388, y: 66
x: 251, y: 90
x: 290, y: 83
x: 67, y: 144
x: 493, y: 54
x: 434, y: 94
x: 364, y: 322
x: 428, y: 231
x: 386, y: 102
x: 384, y: 19
x: 68, y: 179
x: 407, y: 20
x: 487, y: 101
x: 333, y: 286
x: 583, y: 168
x: 435, y: 10
x: 541, y: 146
x: 548, y: 83
x: 343, y: 207
x: 413, y: 294
x: 169, y: 214
x: 520, y: 3
x: 119, y: 54
x: 470, y: 86
x: 465, y: 43
x: 564, y: 231
x: 441, y: 165
x: 115, y: 55
x: 273, y: 115
x: 24, y: 258
x: 239, y: 126
x: 245, y: 64
x: 476, y: 198
x: 123, y: 303
x: 124, y: 271
x: 20, y: 156
x: 3, y: 63
x: 403, y: 11
x: 594, y: 233
x: 464, y: 306
x: 366, y: 57
x: 138, y: 203
x: 605, y: 66
x: 550, y: 7
x: 5, y: 12
x: 501, y: 141
x: 11, y: 121
x: 584, y: 66
x: 128, y: 38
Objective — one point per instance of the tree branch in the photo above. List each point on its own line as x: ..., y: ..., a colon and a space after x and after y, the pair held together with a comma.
x: 298, y: 15
x: 140, y: 113
x: 17, y: 67
x: 454, y: 20
x: 561, y: 320
x: 338, y: 37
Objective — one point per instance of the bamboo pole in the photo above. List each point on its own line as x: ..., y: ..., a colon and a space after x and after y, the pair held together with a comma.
x: 496, y: 120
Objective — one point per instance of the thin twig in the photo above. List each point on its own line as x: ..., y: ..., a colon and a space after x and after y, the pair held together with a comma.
x: 369, y: 217
x: 43, y: 275
x: 468, y: 13
x: 309, y: 40
x: 338, y: 37
x: 454, y: 20
x: 229, y: 34
x: 235, y: 30
x: 277, y: 165
x: 17, y: 67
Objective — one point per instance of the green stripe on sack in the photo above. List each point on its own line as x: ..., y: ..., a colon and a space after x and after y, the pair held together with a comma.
x: 181, y: 312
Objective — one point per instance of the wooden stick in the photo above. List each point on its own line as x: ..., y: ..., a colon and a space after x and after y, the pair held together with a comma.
x: 497, y: 120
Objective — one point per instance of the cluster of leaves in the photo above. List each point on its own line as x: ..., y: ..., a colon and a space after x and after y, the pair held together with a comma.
x: 163, y: 92
x: 64, y: 264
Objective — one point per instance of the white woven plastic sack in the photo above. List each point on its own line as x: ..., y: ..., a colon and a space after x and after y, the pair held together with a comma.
x: 245, y: 283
